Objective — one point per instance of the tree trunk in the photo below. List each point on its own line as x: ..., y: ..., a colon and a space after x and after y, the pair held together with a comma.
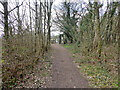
x: 97, y: 30
x: 30, y: 26
x: 119, y: 30
x: 6, y: 30
x: 36, y: 25
x: 49, y: 18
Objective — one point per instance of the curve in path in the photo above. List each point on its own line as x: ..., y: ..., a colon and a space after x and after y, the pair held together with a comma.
x: 64, y: 73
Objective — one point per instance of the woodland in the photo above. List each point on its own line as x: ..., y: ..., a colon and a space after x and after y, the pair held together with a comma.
x: 90, y: 32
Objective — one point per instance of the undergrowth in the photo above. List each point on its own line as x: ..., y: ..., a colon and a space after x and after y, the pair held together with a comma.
x: 101, y: 72
x: 20, y: 62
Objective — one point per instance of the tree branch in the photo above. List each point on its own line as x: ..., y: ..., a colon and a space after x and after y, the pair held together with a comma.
x: 31, y: 7
x: 15, y: 7
x: 1, y: 2
x: 1, y: 12
x: 1, y: 21
x: 12, y: 21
